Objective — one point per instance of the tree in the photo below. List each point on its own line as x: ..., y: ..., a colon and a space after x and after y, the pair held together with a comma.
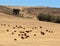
x: 16, y: 11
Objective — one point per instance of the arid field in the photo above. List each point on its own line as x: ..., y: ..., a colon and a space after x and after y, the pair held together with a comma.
x: 18, y: 31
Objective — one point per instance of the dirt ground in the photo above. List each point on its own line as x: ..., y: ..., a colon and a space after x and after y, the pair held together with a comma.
x: 15, y: 31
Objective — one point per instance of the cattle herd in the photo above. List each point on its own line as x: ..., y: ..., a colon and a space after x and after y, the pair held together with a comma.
x: 22, y: 32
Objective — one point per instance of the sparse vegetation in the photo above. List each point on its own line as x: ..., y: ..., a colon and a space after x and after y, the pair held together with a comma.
x: 49, y: 18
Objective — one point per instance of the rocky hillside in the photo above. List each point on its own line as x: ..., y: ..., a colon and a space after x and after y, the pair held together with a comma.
x: 44, y: 10
x: 30, y: 11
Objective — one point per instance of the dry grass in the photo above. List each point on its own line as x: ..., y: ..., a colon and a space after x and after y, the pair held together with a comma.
x: 13, y: 37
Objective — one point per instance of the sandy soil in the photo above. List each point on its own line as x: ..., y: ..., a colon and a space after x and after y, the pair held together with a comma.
x: 35, y: 33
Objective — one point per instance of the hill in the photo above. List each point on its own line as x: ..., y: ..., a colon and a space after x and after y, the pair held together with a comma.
x: 26, y: 31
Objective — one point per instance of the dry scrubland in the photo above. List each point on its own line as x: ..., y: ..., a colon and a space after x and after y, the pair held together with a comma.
x: 17, y: 31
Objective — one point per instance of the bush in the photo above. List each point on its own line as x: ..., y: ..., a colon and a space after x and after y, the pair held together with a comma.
x: 58, y: 19
x: 53, y: 19
x: 44, y: 17
x: 49, y: 18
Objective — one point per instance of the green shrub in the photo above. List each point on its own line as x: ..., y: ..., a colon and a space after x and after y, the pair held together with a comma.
x: 58, y: 19
x: 49, y: 18
x: 53, y: 19
x: 44, y: 17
